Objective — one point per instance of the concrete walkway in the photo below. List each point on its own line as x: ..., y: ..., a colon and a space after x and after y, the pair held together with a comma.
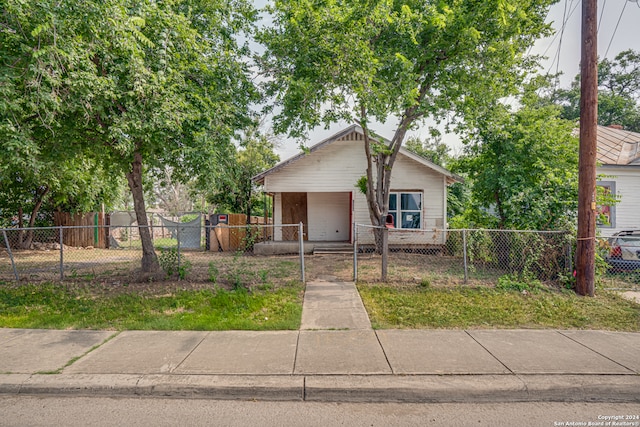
x: 336, y: 356
x: 333, y: 305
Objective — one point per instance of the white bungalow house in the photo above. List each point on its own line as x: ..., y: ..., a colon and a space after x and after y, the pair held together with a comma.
x: 619, y: 172
x: 318, y: 188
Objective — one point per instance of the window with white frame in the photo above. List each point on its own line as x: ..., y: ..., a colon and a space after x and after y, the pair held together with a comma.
x: 606, y: 215
x: 406, y: 209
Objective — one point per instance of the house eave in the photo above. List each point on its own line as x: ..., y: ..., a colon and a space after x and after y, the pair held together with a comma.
x: 451, y: 177
x: 259, y: 179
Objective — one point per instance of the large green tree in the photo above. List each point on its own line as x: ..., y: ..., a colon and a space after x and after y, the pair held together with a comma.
x: 523, y: 166
x: 235, y: 191
x: 383, y: 60
x: 436, y: 151
x: 618, y: 93
x: 142, y: 84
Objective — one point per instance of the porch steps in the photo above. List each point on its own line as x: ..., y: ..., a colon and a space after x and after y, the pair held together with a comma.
x: 345, y: 248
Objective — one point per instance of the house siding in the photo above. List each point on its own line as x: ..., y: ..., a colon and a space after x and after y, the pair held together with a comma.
x: 336, y: 168
x: 627, y: 210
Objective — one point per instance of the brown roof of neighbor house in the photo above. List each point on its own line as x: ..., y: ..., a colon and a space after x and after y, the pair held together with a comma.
x: 618, y: 146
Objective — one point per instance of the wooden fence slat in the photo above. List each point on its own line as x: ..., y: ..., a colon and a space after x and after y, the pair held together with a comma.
x: 82, y: 237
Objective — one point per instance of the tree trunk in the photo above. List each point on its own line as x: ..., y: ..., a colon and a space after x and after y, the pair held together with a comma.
x: 26, y: 239
x: 378, y: 191
x: 134, y: 178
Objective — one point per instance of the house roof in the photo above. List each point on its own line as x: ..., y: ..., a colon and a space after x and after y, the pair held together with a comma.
x: 451, y: 177
x: 618, y: 146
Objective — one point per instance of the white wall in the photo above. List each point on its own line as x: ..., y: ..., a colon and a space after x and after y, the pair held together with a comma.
x: 337, y: 167
x: 627, y: 183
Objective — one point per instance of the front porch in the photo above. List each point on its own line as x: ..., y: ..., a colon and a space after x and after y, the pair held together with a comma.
x: 293, y: 247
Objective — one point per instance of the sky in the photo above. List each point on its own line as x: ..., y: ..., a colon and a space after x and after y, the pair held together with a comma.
x: 618, y: 30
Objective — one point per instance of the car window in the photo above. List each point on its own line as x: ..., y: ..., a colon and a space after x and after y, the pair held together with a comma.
x: 629, y: 241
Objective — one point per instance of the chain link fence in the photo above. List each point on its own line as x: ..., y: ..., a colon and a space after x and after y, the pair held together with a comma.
x: 253, y: 255
x: 228, y: 255
x: 455, y: 257
x: 618, y: 261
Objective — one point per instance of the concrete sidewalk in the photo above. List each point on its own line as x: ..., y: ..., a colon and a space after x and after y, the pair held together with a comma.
x: 321, y: 362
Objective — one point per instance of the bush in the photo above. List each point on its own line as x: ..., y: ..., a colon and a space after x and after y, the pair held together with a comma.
x: 520, y: 283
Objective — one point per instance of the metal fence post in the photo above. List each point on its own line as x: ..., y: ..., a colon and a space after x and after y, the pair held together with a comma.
x: 568, y: 262
x: 464, y: 252
x: 178, y: 250
x: 355, y: 252
x: 61, y: 254
x: 385, y: 254
x: 301, y: 239
x: 13, y: 262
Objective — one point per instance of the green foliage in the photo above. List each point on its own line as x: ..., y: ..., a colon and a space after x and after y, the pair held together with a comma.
x: 362, y: 61
x: 425, y: 283
x: 515, y: 282
x: 169, y: 260
x: 567, y: 281
x: 523, y: 166
x: 432, y: 149
x: 213, y: 273
x: 184, y: 268
x: 264, y: 276
x: 361, y: 184
x: 234, y: 191
x: 172, y: 263
x: 128, y: 86
x: 239, y: 273
x: 618, y: 92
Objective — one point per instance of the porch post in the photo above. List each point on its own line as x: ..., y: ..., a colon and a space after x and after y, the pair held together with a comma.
x: 301, y: 240
x: 355, y: 252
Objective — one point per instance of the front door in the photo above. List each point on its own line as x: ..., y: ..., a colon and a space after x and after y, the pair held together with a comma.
x: 294, y: 211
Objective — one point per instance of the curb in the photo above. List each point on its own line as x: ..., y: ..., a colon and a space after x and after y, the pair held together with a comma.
x: 343, y: 388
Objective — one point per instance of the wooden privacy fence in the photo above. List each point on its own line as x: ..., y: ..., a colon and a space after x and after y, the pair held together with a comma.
x: 94, y: 231
x: 233, y: 235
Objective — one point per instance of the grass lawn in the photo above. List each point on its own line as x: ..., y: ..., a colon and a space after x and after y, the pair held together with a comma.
x: 51, y: 306
x: 483, y: 307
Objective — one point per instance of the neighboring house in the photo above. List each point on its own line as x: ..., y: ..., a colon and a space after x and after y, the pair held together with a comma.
x: 619, y: 172
x: 318, y: 188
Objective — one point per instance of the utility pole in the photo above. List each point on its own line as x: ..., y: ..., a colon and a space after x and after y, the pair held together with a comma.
x: 586, y: 245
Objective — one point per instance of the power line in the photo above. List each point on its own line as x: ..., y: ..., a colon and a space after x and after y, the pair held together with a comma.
x: 604, y: 4
x: 564, y: 20
x: 564, y: 24
x: 616, y: 29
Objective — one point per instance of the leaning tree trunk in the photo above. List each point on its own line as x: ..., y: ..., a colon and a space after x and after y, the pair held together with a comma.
x: 134, y: 178
x: 26, y: 239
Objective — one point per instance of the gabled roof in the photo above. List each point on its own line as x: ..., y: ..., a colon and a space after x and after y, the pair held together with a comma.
x: 618, y: 146
x: 451, y: 177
